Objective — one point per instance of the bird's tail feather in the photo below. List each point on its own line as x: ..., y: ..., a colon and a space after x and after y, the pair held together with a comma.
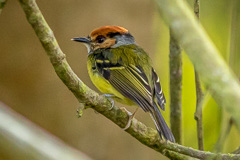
x: 161, y: 125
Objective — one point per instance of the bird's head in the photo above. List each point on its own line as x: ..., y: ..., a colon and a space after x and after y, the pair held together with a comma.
x: 106, y: 37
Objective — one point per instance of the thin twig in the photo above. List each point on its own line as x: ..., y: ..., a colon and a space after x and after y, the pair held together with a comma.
x: 2, y: 4
x: 198, y: 112
x: 237, y: 151
x: 175, y: 156
x: 199, y: 94
x: 175, y: 65
x: 223, y: 134
x: 199, y: 154
x: 145, y: 135
x: 197, y: 8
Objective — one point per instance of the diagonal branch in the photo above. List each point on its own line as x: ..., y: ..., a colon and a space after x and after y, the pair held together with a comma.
x: 145, y: 135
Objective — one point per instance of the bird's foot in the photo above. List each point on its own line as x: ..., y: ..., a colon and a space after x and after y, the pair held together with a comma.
x: 109, y: 97
x: 130, y: 115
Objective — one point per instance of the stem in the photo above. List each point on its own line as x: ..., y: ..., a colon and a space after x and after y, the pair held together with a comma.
x: 199, y: 93
x: 224, y: 134
x: 197, y: 8
x: 237, y: 151
x: 198, y: 112
x: 175, y: 58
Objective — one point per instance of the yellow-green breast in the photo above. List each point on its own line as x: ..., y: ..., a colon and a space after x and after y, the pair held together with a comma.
x: 102, y: 84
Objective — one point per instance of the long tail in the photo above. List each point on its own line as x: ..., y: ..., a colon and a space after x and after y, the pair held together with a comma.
x: 161, y: 125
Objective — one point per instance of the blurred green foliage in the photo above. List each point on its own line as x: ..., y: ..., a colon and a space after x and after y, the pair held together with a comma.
x: 217, y: 19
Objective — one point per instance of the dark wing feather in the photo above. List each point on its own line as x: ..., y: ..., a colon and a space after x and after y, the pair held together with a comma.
x: 158, y: 91
x: 161, y: 125
x: 130, y: 86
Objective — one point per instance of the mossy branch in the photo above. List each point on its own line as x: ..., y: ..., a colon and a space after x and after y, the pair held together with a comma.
x: 91, y: 99
x: 175, y: 65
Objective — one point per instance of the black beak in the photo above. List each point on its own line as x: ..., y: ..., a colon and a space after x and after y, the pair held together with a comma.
x: 83, y: 40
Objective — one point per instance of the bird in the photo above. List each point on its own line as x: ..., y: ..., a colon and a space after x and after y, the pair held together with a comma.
x: 123, y: 71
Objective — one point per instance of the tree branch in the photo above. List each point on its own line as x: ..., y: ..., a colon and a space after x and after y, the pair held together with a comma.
x: 198, y: 112
x: 175, y: 156
x: 2, y: 4
x: 21, y: 139
x: 237, y: 151
x: 175, y: 63
x: 199, y: 93
x: 215, y: 74
x: 225, y: 130
x: 145, y: 135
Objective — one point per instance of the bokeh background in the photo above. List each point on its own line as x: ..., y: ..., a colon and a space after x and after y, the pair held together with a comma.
x: 29, y: 85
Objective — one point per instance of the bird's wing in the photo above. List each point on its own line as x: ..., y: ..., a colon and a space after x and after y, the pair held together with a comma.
x: 132, y: 82
x: 158, y: 90
x: 129, y: 80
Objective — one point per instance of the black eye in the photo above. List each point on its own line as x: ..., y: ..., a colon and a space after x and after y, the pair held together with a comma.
x: 100, y: 39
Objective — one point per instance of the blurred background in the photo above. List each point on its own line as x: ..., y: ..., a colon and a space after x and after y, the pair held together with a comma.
x: 29, y: 85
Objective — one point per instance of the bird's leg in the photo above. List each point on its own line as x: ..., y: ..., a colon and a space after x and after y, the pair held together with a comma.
x: 131, y: 116
x: 109, y: 97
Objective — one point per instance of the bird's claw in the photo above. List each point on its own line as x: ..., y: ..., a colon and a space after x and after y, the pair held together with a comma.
x: 130, y: 115
x: 109, y: 97
x: 112, y: 102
